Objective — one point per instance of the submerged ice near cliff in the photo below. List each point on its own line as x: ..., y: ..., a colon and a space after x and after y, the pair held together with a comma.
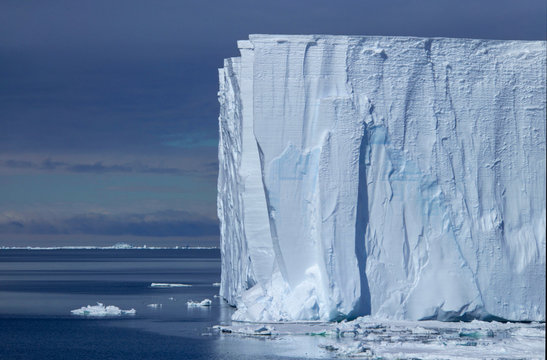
x: 398, y: 177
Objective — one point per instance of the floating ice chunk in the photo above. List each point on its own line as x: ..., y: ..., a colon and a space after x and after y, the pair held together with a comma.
x: 101, y: 310
x: 155, y: 306
x: 264, y: 330
x: 168, y: 285
x: 205, y: 302
x: 216, y: 284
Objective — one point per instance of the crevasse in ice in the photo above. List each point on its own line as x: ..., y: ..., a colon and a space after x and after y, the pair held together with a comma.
x: 393, y: 176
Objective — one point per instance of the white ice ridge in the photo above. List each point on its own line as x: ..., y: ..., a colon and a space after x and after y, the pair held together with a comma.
x: 393, y: 176
x: 101, y: 310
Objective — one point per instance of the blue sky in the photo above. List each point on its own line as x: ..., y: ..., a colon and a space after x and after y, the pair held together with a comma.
x: 108, y: 121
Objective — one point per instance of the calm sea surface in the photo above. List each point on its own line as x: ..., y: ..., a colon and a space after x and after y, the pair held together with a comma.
x: 39, y: 288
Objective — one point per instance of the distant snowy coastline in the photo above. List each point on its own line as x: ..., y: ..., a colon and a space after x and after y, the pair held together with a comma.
x: 168, y: 285
x: 122, y: 246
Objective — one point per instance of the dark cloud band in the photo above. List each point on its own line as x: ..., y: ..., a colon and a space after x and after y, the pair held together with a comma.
x: 99, y: 167
x: 161, y: 224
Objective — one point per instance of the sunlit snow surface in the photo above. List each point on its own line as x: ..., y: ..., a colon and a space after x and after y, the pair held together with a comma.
x: 100, y: 310
x: 369, y: 338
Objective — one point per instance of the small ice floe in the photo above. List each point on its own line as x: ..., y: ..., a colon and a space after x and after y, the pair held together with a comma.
x: 216, y: 284
x: 155, y: 306
x: 357, y: 350
x: 172, y: 299
x: 223, y: 329
x: 205, y: 302
x: 264, y: 330
x: 101, y: 310
x: 168, y: 285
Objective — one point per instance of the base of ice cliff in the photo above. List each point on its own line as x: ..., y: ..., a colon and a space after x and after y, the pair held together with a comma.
x: 398, y: 177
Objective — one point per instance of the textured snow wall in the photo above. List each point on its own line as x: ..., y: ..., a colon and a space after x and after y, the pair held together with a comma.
x: 392, y: 176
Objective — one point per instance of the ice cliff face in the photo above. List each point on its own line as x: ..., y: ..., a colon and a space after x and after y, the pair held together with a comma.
x: 392, y: 176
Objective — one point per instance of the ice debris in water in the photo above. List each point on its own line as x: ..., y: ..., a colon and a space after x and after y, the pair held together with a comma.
x: 217, y: 284
x: 101, y: 310
x: 155, y: 306
x: 205, y: 302
x: 379, y: 338
x: 168, y: 285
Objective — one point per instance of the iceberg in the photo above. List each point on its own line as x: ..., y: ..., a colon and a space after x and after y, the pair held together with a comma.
x: 100, y: 310
x: 397, y: 177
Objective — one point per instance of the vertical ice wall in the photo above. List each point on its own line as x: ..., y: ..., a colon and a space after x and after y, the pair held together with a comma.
x: 398, y: 177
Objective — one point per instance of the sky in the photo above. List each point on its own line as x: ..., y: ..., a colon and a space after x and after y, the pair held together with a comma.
x: 108, y: 109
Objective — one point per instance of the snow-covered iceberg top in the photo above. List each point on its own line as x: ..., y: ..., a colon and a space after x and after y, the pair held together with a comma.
x: 393, y: 176
x: 101, y: 310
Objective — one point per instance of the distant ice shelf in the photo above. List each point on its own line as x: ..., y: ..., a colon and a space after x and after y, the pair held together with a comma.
x: 397, y: 177
x: 119, y: 246
x: 169, y: 285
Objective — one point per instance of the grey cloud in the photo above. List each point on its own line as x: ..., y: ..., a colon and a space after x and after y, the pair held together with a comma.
x: 48, y: 164
x: 114, y: 75
x: 99, y: 167
x: 18, y: 164
x: 165, y: 223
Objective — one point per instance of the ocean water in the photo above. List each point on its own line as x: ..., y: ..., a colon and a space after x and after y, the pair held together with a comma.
x: 39, y: 288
